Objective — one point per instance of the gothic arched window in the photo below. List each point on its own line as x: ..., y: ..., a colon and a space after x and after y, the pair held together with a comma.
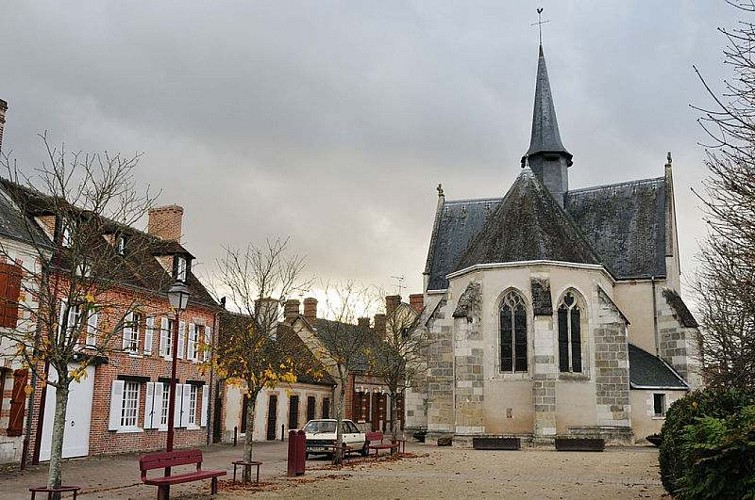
x: 569, y: 335
x: 513, y: 333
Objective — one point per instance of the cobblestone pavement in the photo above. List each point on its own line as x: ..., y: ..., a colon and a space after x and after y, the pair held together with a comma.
x: 432, y: 473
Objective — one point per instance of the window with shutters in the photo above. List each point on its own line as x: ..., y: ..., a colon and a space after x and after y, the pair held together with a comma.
x: 66, y: 237
x: 168, y: 337
x: 92, y: 324
x: 513, y: 323
x: 72, y: 321
x: 10, y: 291
x: 130, y: 405
x: 191, y: 344
x: 569, y: 334
x: 310, y: 408
x: 293, y: 412
x: 180, y: 268
x: 131, y: 327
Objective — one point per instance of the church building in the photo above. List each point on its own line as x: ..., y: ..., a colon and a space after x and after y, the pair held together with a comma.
x: 555, y: 311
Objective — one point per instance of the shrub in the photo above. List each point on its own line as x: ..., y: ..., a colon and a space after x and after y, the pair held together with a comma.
x: 676, y: 456
x: 723, y: 457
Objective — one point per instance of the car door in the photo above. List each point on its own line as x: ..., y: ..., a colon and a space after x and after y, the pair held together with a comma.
x: 355, y: 440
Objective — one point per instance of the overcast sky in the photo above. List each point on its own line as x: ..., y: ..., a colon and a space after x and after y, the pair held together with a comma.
x: 333, y: 122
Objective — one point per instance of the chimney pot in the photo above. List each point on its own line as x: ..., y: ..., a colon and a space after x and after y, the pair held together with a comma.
x: 310, y: 309
x: 165, y: 222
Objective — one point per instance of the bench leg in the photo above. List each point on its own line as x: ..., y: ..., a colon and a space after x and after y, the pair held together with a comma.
x: 163, y: 492
x: 214, y: 486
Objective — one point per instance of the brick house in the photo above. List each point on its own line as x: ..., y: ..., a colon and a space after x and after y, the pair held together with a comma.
x: 121, y: 404
x: 366, y: 400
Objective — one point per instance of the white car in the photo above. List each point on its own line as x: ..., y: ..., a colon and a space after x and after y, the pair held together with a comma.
x: 321, y: 437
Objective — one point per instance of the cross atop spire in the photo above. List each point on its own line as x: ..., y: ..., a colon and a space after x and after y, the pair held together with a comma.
x: 540, y: 23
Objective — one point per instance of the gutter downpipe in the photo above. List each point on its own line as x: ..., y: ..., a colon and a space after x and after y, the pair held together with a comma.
x: 655, y: 320
x: 210, y: 391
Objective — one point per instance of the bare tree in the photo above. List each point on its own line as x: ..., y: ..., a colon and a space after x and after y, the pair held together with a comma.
x: 252, y: 348
x: 398, y: 359
x: 725, y: 283
x: 343, y: 343
x: 70, y: 208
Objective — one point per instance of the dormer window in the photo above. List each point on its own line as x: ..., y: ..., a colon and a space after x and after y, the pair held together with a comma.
x: 120, y: 244
x: 180, y: 268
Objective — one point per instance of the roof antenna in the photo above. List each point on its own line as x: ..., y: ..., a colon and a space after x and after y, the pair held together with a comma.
x: 399, y: 283
x: 540, y: 23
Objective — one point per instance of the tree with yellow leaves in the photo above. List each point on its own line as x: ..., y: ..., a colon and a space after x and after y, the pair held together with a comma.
x: 67, y: 209
x: 255, y: 349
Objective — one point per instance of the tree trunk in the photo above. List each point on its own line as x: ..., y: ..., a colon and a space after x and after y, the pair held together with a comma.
x: 394, y: 427
x: 338, y: 453
x: 55, y: 476
x: 251, y: 407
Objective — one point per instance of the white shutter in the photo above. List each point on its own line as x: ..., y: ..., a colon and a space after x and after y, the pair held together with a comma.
x: 149, y: 406
x: 116, y: 403
x: 159, y: 395
x: 181, y: 335
x: 92, y: 329
x: 164, y: 337
x: 63, y: 303
x: 148, y: 334
x: 207, y: 342
x: 191, y: 344
x: 205, y: 405
x: 127, y: 331
x: 177, y: 408
x: 185, y: 405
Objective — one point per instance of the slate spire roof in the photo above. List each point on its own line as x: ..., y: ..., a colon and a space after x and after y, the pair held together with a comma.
x: 545, y: 136
x: 528, y: 225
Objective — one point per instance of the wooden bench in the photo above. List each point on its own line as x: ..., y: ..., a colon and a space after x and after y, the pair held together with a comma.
x: 50, y: 491
x: 377, y: 438
x: 169, y: 459
x: 580, y: 444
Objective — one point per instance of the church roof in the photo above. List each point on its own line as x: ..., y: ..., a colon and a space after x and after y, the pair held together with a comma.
x: 527, y: 225
x: 651, y: 372
x: 626, y: 224
x: 623, y: 223
x: 545, y: 135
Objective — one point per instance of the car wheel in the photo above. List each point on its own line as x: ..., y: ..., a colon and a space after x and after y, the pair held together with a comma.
x: 306, y: 456
x: 365, y: 449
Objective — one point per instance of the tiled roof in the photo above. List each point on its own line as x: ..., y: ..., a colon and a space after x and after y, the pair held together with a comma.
x: 138, y: 266
x: 527, y: 225
x: 648, y: 371
x: 623, y: 223
x: 15, y: 226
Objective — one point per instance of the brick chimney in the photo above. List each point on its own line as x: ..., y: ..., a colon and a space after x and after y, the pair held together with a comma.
x: 391, y: 304
x: 165, y: 222
x: 363, y: 323
x: 310, y: 309
x: 3, y: 109
x: 380, y: 325
x: 290, y: 310
x: 417, y: 301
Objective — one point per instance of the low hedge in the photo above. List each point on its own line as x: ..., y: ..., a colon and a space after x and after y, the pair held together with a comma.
x: 708, y: 448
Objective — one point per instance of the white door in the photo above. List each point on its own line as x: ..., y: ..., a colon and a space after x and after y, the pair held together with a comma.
x: 78, y: 417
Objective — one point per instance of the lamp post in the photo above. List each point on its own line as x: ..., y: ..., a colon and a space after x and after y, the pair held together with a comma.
x: 178, y: 295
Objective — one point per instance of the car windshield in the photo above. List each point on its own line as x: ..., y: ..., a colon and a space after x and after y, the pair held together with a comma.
x: 315, y: 427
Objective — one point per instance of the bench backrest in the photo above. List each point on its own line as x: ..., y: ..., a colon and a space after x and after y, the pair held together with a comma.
x: 374, y: 437
x: 170, y: 459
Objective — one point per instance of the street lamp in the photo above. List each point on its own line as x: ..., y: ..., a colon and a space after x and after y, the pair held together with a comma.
x: 178, y: 295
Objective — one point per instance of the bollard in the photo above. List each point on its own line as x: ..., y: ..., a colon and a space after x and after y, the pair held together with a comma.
x: 291, y: 470
x: 283, y: 432
x: 235, y: 435
x: 301, y: 452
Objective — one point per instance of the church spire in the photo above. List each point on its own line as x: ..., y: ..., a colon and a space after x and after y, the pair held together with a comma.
x: 547, y: 156
x: 545, y: 136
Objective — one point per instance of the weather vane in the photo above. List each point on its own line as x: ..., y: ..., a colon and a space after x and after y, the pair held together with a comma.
x: 540, y: 23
